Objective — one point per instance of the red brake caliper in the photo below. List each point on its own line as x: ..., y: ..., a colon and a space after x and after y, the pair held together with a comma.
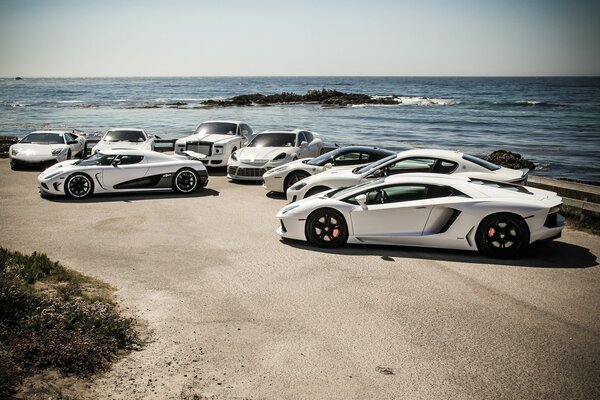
x: 491, y: 231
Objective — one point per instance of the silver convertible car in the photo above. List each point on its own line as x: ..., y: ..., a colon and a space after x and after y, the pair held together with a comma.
x: 124, y: 170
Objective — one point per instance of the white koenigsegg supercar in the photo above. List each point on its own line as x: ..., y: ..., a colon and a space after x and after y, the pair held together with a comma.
x: 428, y: 210
x: 124, y: 170
x: 281, y: 178
x: 217, y: 140
x: 409, y: 161
x: 43, y: 147
x: 270, y: 149
x: 125, y: 137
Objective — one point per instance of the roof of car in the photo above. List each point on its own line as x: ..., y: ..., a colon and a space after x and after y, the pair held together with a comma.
x: 223, y: 121
x: 362, y: 148
x: 431, y: 153
x: 126, y: 129
x: 55, y: 132
x: 295, y: 131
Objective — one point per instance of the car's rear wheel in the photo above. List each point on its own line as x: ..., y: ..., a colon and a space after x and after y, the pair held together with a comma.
x: 326, y: 228
x: 79, y: 186
x: 502, y: 235
x: 293, y: 178
x: 185, y: 181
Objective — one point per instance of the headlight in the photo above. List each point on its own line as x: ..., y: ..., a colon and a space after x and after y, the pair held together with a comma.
x: 14, y: 152
x: 279, y: 156
x: 298, y: 186
x: 218, y: 149
x: 290, y: 208
x: 56, y: 152
x: 234, y: 156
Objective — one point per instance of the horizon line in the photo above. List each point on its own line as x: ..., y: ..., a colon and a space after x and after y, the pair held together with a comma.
x: 16, y: 77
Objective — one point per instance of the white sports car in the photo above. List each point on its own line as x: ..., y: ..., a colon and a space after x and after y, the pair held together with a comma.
x: 281, y: 178
x: 427, y: 210
x: 125, y: 137
x: 418, y: 160
x: 217, y: 140
x: 270, y: 149
x: 124, y: 170
x: 43, y: 147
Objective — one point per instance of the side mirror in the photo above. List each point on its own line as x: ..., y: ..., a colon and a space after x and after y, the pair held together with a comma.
x: 303, y: 145
x: 328, y: 165
x: 361, y: 199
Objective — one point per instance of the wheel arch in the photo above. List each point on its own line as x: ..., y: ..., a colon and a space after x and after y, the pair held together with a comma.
x: 347, y: 220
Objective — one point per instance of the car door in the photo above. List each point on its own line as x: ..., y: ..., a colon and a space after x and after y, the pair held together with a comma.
x: 124, y: 168
x: 392, y: 212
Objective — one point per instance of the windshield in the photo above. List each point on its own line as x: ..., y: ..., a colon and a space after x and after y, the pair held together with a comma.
x: 482, y: 163
x: 275, y: 139
x: 325, y: 158
x: 43, y: 138
x: 97, y: 159
x: 340, y: 194
x: 373, y: 165
x: 217, y: 128
x: 125, y: 136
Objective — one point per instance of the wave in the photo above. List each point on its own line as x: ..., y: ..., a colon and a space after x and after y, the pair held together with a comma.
x: 417, y: 101
x: 524, y: 103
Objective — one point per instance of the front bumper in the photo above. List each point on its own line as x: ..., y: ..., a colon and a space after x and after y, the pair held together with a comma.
x: 245, y: 172
x: 274, y: 184
x: 52, y: 187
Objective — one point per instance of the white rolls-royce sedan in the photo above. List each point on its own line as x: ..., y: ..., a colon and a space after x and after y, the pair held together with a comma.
x: 132, y: 138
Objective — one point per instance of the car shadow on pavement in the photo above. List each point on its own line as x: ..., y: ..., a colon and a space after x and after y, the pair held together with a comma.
x: 554, y: 254
x: 131, y: 197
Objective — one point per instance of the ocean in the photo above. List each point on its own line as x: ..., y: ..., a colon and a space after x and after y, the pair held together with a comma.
x: 555, y: 122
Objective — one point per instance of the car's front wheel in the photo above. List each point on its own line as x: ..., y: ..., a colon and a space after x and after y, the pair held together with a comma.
x: 326, y: 228
x: 185, y: 181
x: 502, y: 235
x: 293, y: 178
x: 79, y: 186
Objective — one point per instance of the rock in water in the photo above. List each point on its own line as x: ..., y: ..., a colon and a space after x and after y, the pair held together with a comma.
x: 510, y: 160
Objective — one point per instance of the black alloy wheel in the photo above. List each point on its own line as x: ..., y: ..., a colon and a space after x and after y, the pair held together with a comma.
x: 79, y: 186
x: 326, y: 228
x: 502, y: 235
x: 293, y: 178
x: 185, y: 181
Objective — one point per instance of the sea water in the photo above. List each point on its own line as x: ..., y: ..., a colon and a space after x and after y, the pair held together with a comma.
x: 554, y: 122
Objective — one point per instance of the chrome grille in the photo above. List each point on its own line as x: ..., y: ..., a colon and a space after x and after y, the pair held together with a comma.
x: 200, y: 147
x: 249, y: 172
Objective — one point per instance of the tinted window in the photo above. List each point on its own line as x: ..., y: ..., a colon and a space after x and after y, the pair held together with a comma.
x: 217, y: 128
x: 97, y: 159
x: 309, y: 136
x: 444, y: 167
x: 480, y: 162
x: 301, y: 138
x: 374, y: 165
x: 393, y: 194
x: 247, y: 129
x: 412, y: 165
x: 125, y: 136
x: 43, y: 138
x: 350, y: 158
x: 129, y: 159
x: 276, y: 139
x: 68, y: 137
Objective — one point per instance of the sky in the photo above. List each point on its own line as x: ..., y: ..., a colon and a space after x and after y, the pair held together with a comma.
x: 106, y: 38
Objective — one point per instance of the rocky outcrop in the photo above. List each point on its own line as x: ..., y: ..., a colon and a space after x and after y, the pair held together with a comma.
x: 510, y: 160
x: 325, y: 97
x: 5, y: 143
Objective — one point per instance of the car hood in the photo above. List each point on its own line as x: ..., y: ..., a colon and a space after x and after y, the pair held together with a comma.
x: 36, y: 149
x: 262, y: 153
x: 212, y: 138
x: 67, y: 165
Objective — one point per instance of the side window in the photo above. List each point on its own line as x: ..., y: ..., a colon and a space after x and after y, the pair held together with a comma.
x: 68, y: 137
x: 127, y: 159
x: 437, y: 191
x: 309, y: 136
x: 393, y: 194
x: 373, y: 157
x: 246, y: 130
x: 301, y: 138
x: 444, y: 167
x: 347, y: 159
x: 412, y: 165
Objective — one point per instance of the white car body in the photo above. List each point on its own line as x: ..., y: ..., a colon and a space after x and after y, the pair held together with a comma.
x: 124, y: 170
x: 409, y: 161
x: 281, y: 178
x: 131, y: 138
x: 270, y: 149
x: 217, y: 140
x: 430, y: 210
x: 50, y: 147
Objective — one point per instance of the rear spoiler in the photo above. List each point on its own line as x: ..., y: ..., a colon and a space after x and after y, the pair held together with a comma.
x: 194, y: 156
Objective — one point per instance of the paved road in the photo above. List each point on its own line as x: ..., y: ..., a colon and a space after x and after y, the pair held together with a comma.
x: 236, y: 313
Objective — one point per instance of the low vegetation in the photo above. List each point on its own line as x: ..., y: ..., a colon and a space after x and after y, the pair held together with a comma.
x: 55, y: 318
